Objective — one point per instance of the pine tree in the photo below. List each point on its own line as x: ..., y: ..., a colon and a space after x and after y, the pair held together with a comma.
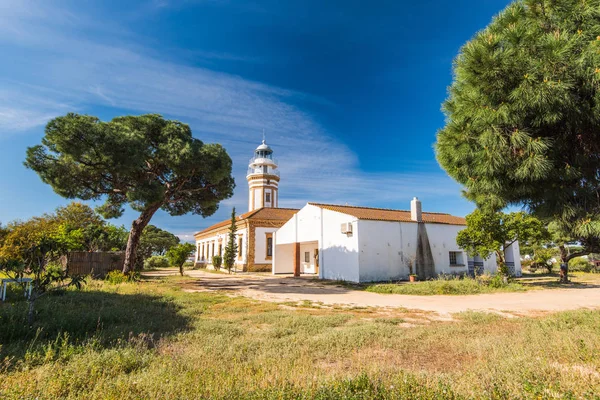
x: 523, y: 115
x: 231, y: 249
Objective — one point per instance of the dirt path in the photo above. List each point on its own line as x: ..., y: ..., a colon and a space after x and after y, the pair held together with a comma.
x: 285, y: 289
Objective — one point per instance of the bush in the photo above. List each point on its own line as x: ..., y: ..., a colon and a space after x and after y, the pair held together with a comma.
x: 217, y: 261
x: 116, y: 277
x: 580, y: 264
x: 497, y: 281
x: 155, y: 262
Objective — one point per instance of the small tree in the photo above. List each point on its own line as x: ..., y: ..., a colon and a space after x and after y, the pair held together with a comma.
x: 494, y: 232
x: 542, y: 257
x: 178, y: 254
x: 144, y: 161
x: 216, y: 262
x: 231, y: 249
x: 32, y: 249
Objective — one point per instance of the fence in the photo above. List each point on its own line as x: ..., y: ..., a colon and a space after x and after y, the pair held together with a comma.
x: 98, y: 264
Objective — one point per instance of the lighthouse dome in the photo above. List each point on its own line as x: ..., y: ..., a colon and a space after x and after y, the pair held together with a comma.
x: 263, y: 147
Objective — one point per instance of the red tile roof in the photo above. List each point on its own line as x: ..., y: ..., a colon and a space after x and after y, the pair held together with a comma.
x: 384, y: 214
x: 265, y: 213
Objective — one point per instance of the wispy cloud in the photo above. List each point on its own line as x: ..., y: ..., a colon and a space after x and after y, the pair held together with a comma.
x: 72, y: 69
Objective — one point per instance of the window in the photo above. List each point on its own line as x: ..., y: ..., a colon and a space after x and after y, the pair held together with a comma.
x: 269, y: 254
x: 240, y: 243
x: 268, y: 197
x: 456, y: 258
x: 220, y: 249
x: 213, y: 249
x: 307, y: 256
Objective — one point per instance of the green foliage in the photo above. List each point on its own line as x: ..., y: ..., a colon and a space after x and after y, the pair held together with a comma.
x: 217, y: 261
x: 492, y: 232
x: 156, y: 262
x: 32, y: 249
x: 231, y: 249
x: 154, y: 241
x: 88, y: 229
x: 157, y: 241
x: 542, y: 258
x: 448, y: 285
x: 116, y: 277
x: 178, y: 254
x: 580, y: 264
x: 146, y: 162
x: 524, y: 111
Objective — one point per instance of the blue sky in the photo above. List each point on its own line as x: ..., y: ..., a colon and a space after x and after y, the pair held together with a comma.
x: 348, y: 92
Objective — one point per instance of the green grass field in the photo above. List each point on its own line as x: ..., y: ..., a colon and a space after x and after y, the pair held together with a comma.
x: 152, y: 340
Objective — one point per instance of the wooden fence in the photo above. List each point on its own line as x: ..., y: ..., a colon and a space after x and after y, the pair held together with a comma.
x: 98, y: 264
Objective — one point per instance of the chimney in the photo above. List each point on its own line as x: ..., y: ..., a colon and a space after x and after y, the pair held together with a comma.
x: 415, y: 210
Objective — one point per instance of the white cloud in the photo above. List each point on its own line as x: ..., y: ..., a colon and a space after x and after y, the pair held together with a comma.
x: 72, y: 69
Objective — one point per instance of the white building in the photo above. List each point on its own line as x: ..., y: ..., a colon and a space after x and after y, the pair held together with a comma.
x: 256, y: 227
x: 357, y: 244
x: 361, y: 244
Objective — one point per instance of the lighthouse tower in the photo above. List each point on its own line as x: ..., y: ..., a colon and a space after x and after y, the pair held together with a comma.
x: 263, y: 179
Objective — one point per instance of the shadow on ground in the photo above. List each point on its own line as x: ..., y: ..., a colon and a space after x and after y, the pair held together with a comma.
x: 268, y: 285
x: 109, y: 319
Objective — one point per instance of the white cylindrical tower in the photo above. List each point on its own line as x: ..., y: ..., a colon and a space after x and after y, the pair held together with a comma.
x: 263, y: 179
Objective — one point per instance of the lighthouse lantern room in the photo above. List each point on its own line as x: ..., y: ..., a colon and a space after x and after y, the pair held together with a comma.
x: 263, y: 179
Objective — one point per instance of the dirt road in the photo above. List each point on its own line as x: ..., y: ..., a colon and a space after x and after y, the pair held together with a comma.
x: 284, y: 289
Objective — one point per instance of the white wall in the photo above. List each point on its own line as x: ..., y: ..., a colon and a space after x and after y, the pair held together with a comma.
x: 283, y: 263
x: 513, y: 254
x: 387, y: 248
x: 260, y: 245
x: 442, y: 239
x: 376, y: 250
x: 339, y: 252
x: 221, y: 238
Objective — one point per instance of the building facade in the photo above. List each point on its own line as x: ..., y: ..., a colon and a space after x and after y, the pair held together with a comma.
x: 361, y: 244
x: 358, y: 244
x: 255, y: 228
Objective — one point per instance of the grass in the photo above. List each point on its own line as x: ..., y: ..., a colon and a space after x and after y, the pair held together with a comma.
x: 447, y: 286
x: 152, y: 340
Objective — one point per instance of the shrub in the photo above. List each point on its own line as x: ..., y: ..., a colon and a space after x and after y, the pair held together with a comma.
x: 580, y: 264
x: 116, y: 277
x: 217, y: 261
x: 497, y: 281
x: 155, y: 262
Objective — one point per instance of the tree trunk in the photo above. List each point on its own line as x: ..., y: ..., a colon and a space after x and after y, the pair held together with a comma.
x: 30, y: 311
x: 564, y: 265
x: 137, y: 227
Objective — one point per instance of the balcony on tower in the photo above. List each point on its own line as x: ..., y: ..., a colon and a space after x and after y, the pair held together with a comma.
x: 263, y: 162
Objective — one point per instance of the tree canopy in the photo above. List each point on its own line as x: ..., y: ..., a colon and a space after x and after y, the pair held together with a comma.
x: 178, y: 254
x: 494, y: 232
x: 523, y: 114
x: 29, y: 249
x: 154, y: 242
x: 146, y: 162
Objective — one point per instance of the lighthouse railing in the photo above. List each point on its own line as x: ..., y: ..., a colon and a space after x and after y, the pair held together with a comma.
x: 259, y: 171
x: 263, y: 160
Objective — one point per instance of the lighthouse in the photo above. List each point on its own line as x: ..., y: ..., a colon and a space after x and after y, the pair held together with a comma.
x: 263, y: 179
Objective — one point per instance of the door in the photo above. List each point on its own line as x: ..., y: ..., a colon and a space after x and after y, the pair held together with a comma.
x: 316, y: 255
